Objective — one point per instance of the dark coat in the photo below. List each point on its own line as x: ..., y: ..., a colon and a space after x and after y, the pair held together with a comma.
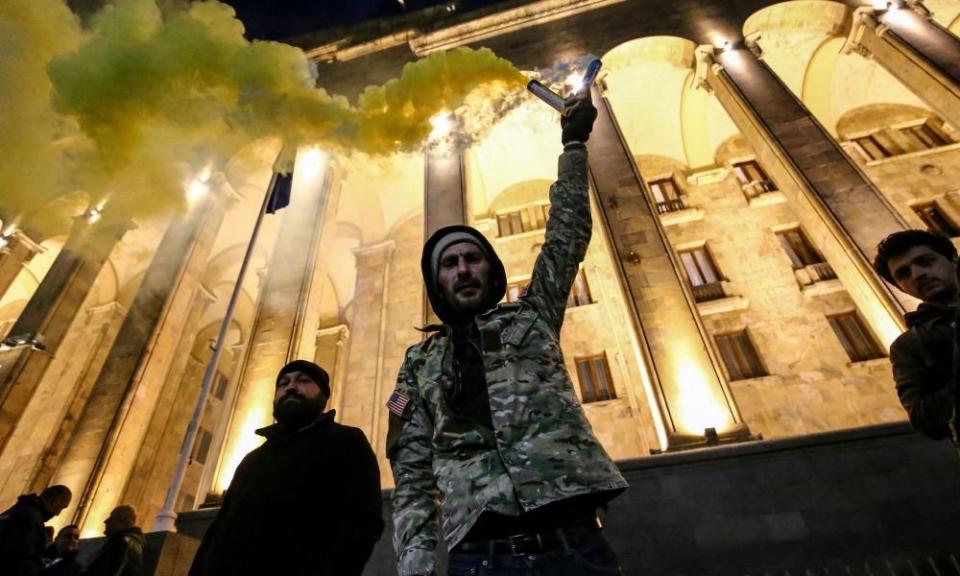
x: 121, y: 555
x: 302, y: 503
x: 922, y: 359
x: 22, y: 539
x: 61, y: 565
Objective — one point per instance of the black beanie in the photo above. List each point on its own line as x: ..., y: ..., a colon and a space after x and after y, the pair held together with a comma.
x: 316, y: 373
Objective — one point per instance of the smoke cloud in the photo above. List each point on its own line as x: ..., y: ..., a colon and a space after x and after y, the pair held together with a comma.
x: 131, y: 109
x: 33, y: 138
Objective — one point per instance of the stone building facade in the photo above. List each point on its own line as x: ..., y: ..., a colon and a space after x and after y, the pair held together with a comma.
x: 747, y: 158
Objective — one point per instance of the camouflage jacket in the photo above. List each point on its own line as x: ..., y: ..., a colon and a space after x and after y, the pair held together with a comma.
x: 542, y: 448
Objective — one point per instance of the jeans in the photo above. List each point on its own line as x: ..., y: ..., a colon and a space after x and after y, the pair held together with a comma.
x: 588, y: 555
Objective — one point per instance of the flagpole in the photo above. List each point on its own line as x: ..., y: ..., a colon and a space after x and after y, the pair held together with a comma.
x: 167, y: 516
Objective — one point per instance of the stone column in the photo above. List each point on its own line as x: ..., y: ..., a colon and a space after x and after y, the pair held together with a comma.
x: 15, y: 251
x: 73, y: 373
x: 444, y: 198
x: 920, y: 53
x: 682, y: 371
x: 158, y: 451
x: 444, y: 189
x: 331, y: 354
x: 365, y: 363
x: 838, y: 206
x: 110, y: 431
x: 38, y: 332
x: 287, y: 311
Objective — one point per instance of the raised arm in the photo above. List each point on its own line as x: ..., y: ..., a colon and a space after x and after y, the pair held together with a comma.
x: 569, y: 227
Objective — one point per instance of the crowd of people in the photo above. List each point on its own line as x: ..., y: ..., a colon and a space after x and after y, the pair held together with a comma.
x: 28, y: 547
x: 489, y: 446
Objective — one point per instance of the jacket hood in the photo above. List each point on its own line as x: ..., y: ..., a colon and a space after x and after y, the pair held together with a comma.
x: 926, y: 312
x: 441, y: 307
x: 32, y: 504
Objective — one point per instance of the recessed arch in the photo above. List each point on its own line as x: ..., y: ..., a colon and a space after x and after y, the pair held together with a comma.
x: 790, y: 33
x: 521, y: 194
x: 872, y: 117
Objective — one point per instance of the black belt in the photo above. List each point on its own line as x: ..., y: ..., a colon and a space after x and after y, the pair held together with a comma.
x: 532, y: 542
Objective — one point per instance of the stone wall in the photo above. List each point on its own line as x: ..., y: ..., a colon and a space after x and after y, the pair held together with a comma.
x: 863, y: 501
x: 812, y: 384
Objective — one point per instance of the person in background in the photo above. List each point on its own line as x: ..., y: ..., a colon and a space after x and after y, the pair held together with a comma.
x: 122, y: 553
x: 924, y: 265
x: 22, y: 534
x: 60, y: 558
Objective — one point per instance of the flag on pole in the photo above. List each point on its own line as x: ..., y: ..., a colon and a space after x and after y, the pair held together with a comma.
x: 281, y: 183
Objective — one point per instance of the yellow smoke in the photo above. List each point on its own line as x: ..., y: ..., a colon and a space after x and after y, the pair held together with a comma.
x: 32, y: 136
x: 156, y: 97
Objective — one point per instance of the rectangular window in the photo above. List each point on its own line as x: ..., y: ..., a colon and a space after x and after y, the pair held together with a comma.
x: 703, y: 274
x: 855, y: 337
x: 524, y: 220
x: 579, y: 292
x: 596, y: 385
x: 753, y: 179
x: 936, y: 220
x: 186, y: 502
x: 666, y: 195
x: 923, y: 137
x: 875, y: 146
x: 201, y: 446
x: 516, y: 290
x: 750, y: 171
x: 220, y: 386
x: 739, y: 356
x: 798, y: 248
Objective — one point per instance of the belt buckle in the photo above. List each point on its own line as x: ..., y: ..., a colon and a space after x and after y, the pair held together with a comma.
x: 521, y: 544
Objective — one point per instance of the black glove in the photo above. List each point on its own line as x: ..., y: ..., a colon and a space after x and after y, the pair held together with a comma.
x: 577, y: 118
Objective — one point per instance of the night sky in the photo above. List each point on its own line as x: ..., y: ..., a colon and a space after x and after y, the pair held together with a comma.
x: 277, y: 19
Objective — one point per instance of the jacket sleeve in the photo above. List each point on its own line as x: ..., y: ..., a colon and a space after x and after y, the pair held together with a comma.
x: 113, y: 558
x: 363, y: 519
x: 199, y: 559
x: 19, y: 545
x: 410, y: 450
x: 928, y: 404
x: 567, y: 236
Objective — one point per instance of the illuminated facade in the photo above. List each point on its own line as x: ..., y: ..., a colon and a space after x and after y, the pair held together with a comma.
x: 743, y: 168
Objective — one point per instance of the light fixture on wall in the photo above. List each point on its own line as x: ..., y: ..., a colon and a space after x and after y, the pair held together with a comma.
x: 723, y: 44
x: 33, y: 341
x: 93, y: 213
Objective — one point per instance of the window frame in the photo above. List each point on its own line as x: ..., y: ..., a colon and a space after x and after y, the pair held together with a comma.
x: 864, y: 346
x: 798, y: 259
x: 935, y: 219
x: 749, y: 365
x: 592, y: 362
x: 528, y: 218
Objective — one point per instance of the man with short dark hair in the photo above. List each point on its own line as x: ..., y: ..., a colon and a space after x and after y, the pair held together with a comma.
x: 924, y: 265
x: 305, y: 502
x: 60, y: 558
x: 22, y: 537
x: 122, y: 553
x: 485, y: 414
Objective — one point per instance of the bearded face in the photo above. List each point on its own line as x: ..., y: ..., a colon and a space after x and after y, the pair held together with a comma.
x: 298, y: 400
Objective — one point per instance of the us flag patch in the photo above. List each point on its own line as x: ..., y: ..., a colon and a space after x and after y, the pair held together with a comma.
x: 398, y: 403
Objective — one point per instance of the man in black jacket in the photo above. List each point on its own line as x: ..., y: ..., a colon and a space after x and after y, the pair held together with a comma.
x: 305, y: 502
x: 924, y: 265
x: 122, y: 553
x: 22, y: 537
